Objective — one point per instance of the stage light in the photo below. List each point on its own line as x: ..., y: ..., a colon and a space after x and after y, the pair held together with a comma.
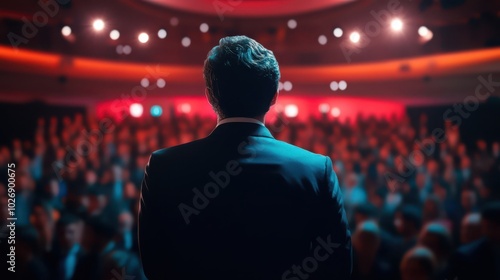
x: 156, y: 111
x: 335, y: 112
x: 143, y: 37
x: 287, y: 86
x: 119, y: 49
x: 174, y: 21
x: 114, y: 34
x: 423, y: 31
x: 292, y: 24
x: 144, y: 82
x: 425, y: 34
x: 342, y: 85
x: 66, y: 31
x: 160, y: 83
x: 127, y: 49
x: 322, y: 40
x: 338, y: 32
x: 162, y: 33
x: 280, y: 86
x: 354, y: 37
x: 334, y: 86
x: 324, y: 108
x: 204, y: 28
x: 396, y: 24
x: 98, y: 25
x: 136, y: 110
x: 185, y: 108
x: 186, y: 42
x: 291, y: 110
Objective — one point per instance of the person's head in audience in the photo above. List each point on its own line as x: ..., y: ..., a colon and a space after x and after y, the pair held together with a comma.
x: 468, y: 200
x: 418, y: 263
x: 364, y: 212
x: 125, y: 221
x: 27, y: 243
x: 408, y: 221
x: 90, y: 177
x: 490, y: 220
x: 366, y: 242
x: 437, y: 238
x: 99, y: 231
x: 42, y: 219
x: 51, y: 187
x: 94, y: 200
x: 470, y: 228
x: 432, y: 209
x: 241, y: 78
x: 69, y: 231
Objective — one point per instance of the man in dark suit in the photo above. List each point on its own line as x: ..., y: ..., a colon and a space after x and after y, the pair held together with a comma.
x: 480, y: 259
x: 240, y: 204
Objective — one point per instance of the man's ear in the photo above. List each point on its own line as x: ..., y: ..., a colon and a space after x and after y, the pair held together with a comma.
x: 207, y: 96
x: 275, y: 98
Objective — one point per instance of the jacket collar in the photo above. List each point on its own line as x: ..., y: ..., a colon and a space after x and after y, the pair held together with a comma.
x: 240, y: 129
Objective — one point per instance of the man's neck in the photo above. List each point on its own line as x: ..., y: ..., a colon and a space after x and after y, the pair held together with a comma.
x: 259, y: 118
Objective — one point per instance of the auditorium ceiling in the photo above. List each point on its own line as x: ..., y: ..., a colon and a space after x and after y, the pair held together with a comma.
x: 56, y: 50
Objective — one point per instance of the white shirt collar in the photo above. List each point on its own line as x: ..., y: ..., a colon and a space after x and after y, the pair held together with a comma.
x: 240, y: 119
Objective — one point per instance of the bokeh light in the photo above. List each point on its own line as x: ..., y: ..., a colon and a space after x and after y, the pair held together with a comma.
x: 143, y: 37
x: 98, y: 24
x: 156, y: 111
x: 114, y: 34
x: 335, y: 112
x: 136, y: 110
x: 291, y: 110
x: 338, y: 32
x: 66, y: 31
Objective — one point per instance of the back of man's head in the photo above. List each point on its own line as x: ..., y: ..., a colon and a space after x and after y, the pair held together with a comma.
x: 241, y: 77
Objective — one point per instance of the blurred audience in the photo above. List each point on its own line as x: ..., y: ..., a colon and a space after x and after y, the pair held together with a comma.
x: 421, y: 206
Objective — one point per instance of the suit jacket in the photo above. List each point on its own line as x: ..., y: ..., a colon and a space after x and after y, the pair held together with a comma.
x: 240, y: 204
x: 475, y: 260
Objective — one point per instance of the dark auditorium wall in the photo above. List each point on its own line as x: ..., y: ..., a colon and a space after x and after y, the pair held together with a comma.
x: 483, y: 122
x: 19, y: 119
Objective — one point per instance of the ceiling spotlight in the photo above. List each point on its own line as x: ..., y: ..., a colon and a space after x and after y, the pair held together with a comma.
x: 423, y: 31
x: 66, y: 31
x: 144, y: 82
x: 98, y: 25
x: 287, y: 86
x: 322, y: 40
x: 338, y: 32
x: 292, y: 24
x: 354, y: 37
x: 425, y: 34
x: 127, y: 49
x: 342, y: 85
x: 143, y: 37
x: 161, y: 83
x: 114, y: 34
x: 162, y: 33
x: 186, y: 42
x: 396, y: 24
x: 204, y: 28
x: 334, y: 86
x: 119, y: 49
